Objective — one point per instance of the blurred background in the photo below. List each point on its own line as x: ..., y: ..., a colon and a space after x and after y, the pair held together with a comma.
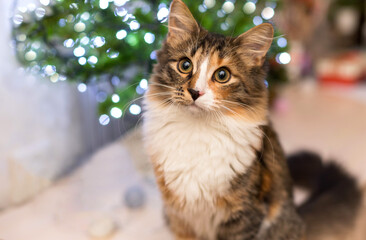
x: 72, y: 74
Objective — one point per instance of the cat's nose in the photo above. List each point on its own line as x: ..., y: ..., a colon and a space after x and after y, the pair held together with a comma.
x: 195, y: 94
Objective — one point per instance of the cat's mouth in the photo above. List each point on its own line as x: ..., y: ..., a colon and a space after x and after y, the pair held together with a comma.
x: 195, y: 108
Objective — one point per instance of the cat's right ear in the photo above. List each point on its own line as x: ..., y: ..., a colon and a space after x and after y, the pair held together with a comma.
x: 181, y: 23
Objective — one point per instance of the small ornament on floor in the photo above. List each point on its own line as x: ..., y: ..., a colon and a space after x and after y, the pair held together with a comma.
x: 102, y: 228
x: 135, y: 197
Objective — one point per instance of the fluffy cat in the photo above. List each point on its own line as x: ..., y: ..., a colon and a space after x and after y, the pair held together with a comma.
x: 217, y: 160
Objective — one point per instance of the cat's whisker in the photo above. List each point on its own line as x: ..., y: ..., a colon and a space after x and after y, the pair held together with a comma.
x: 160, y: 84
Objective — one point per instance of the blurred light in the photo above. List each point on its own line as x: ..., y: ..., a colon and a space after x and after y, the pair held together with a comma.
x: 284, y: 58
x: 135, y: 109
x: 162, y: 13
x: 121, y: 12
x: 79, y: 51
x: 62, y: 22
x: 249, y: 8
x: 69, y: 43
x: 115, y: 80
x: 92, y: 60
x: 85, y: 16
x: 153, y: 55
x: 267, y: 13
x: 30, y: 56
x: 22, y: 9
x: 220, y: 13
x: 82, y: 61
x: 112, y: 54
x: 209, y: 3
x: 149, y: 38
x: 282, y: 42
x: 49, y: 70
x: 45, y: 2
x: 116, y: 112
x: 224, y: 26
x: 266, y: 83
x: 139, y: 90
x: 21, y: 37
x: 101, y: 96
x: 115, y: 98
x: 54, y: 78
x: 103, y: 4
x: 82, y: 87
x: 120, y: 3
x: 79, y: 27
x: 143, y: 84
x: 36, y: 45
x: 85, y: 40
x: 98, y: 41
x: 31, y: 7
x: 202, y: 8
x: 62, y: 77
x: 104, y: 119
x: 134, y: 25
x: 40, y: 12
x: 121, y: 34
x: 18, y: 19
x: 74, y: 6
x: 162, y: 5
x: 257, y: 20
x: 228, y: 7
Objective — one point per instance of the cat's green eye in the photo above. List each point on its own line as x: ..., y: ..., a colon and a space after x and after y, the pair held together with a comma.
x: 185, y: 65
x: 222, y: 75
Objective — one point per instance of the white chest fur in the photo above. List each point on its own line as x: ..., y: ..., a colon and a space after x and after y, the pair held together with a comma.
x: 199, y: 156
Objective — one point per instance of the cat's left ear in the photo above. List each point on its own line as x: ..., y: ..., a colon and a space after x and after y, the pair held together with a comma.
x: 181, y: 23
x: 256, y: 43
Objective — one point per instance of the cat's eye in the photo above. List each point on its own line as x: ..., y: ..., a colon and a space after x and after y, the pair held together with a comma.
x: 185, y: 65
x: 222, y: 75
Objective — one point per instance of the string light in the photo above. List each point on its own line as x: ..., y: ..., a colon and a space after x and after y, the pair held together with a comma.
x: 69, y: 43
x: 143, y: 84
x: 103, y: 4
x: 30, y: 56
x: 282, y: 42
x: 228, y: 7
x: 121, y: 34
x: 79, y: 27
x: 257, y: 20
x: 209, y: 3
x: 104, y: 119
x: 92, y: 60
x: 82, y: 87
x: 135, y: 109
x: 98, y: 41
x: 115, y: 98
x: 267, y: 13
x: 134, y: 25
x: 284, y: 58
x: 162, y: 13
x: 82, y: 61
x: 249, y: 8
x: 79, y: 51
x: 149, y: 38
x: 116, y: 112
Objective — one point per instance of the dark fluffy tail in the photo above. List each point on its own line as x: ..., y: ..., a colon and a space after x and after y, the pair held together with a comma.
x: 335, y: 198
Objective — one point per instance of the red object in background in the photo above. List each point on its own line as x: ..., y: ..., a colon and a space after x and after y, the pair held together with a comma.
x: 348, y: 68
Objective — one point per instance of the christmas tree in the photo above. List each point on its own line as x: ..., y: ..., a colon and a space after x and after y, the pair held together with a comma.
x: 112, y: 43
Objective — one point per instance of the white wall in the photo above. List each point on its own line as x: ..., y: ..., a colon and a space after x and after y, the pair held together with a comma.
x: 40, y: 125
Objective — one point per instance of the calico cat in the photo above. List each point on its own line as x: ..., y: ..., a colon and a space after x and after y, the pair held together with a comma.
x: 218, y: 163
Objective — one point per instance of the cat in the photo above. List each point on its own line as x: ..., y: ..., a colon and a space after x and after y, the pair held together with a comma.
x: 218, y: 162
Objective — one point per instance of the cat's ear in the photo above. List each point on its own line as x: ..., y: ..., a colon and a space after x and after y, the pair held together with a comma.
x: 255, y: 43
x: 181, y: 22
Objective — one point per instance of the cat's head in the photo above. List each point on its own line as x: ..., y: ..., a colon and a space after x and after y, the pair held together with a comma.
x: 206, y: 73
